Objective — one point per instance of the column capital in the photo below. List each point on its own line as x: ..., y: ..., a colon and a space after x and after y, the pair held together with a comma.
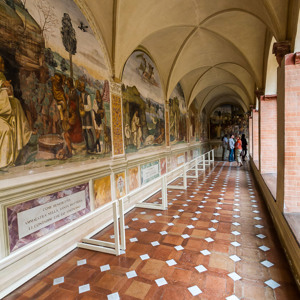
x: 259, y: 93
x: 280, y: 49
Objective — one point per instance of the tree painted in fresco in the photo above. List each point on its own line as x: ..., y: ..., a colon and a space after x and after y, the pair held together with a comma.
x: 69, y: 38
x: 63, y: 65
x: 47, y: 19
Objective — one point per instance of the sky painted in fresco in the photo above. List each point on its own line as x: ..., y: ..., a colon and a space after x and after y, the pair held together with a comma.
x: 89, y: 54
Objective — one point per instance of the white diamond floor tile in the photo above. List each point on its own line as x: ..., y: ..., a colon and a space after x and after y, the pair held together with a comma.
x: 267, y: 263
x: 190, y: 226
x: 104, y: 268
x: 58, y: 280
x: 114, y: 296
x: 200, y: 268
x: 132, y: 240
x: 194, y: 290
x: 235, y: 233
x: 131, y: 274
x: 264, y: 248
x: 185, y: 236
x: 234, y: 276
x: 272, y: 284
x: 209, y: 240
x: 212, y: 229
x: 144, y: 256
x: 170, y: 224
x: 179, y: 247
x: 143, y: 229
x: 81, y: 262
x: 84, y: 288
x: 156, y: 243
x: 161, y: 281
x: 261, y: 236
x: 163, y: 233
x: 205, y: 252
x: 236, y: 224
x: 235, y: 258
x: 171, y: 262
x: 235, y: 244
x: 152, y: 221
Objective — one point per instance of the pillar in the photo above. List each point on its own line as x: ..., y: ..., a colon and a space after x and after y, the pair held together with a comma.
x: 255, y: 139
x: 268, y: 134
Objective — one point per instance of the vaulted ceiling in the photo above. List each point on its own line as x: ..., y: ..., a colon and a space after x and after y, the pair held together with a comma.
x: 215, y: 49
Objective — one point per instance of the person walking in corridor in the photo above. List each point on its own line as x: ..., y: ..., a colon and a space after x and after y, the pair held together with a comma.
x: 244, y: 146
x: 238, y: 151
x: 231, y: 148
x: 225, y: 146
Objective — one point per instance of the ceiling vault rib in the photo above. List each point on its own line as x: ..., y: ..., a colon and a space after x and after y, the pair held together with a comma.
x: 201, y: 107
x: 177, y: 56
x: 237, y: 50
x: 114, y: 38
x: 197, y: 81
x: 238, y: 10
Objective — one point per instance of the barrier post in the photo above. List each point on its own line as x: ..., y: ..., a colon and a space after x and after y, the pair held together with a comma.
x: 184, y: 177
x: 116, y: 228
x: 164, y: 193
x: 122, y: 224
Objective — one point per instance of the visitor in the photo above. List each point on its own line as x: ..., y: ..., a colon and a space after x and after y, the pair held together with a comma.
x: 231, y: 148
x: 238, y: 151
x: 244, y: 146
x: 225, y: 147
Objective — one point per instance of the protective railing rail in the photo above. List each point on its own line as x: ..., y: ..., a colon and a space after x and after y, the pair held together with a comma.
x: 197, y: 164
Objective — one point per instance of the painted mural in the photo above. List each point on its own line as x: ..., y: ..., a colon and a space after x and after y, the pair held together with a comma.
x: 133, y: 175
x: 143, y: 104
x: 194, y: 124
x: 120, y: 186
x: 150, y: 171
x: 33, y: 219
x: 228, y: 119
x: 102, y: 191
x: 54, y: 96
x: 203, y: 126
x: 178, y: 116
x: 163, y: 166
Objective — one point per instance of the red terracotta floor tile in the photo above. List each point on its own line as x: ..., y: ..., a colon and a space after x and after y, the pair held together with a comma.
x: 214, y: 281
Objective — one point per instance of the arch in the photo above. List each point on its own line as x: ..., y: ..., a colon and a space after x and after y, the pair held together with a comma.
x: 210, y: 69
x: 271, y: 72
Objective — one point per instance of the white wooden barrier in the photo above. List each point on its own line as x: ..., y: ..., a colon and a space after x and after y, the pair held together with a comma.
x: 109, y: 247
x: 118, y: 217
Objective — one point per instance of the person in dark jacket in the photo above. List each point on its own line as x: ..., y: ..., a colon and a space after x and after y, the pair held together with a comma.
x: 244, y: 146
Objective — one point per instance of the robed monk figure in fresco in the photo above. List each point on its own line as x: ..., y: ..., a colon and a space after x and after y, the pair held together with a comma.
x: 14, y: 128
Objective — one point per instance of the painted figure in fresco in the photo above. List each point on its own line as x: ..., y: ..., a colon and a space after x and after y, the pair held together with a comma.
x: 85, y: 107
x: 75, y: 130
x: 14, y: 128
x: 136, y: 129
x: 59, y: 94
x: 99, y: 115
x: 50, y: 116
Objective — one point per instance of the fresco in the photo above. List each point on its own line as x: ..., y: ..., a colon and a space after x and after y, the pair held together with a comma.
x: 203, y: 126
x: 178, y: 114
x: 228, y: 119
x: 102, y: 191
x: 149, y: 171
x: 133, y: 175
x: 33, y: 219
x: 120, y: 187
x: 54, y: 96
x: 194, y: 135
x: 163, y: 166
x: 143, y: 104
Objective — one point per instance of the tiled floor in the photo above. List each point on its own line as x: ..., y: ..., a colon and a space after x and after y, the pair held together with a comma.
x: 216, y: 241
